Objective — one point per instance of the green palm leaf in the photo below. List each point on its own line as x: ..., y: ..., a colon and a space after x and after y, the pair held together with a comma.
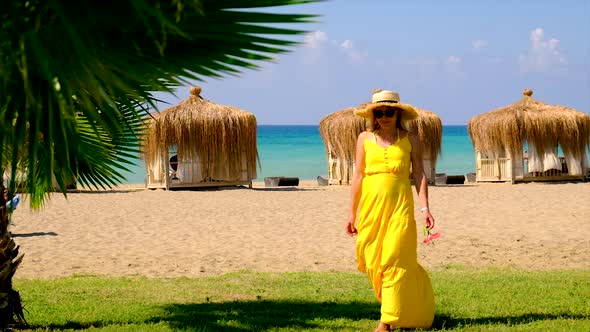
x: 76, y: 81
x: 73, y: 77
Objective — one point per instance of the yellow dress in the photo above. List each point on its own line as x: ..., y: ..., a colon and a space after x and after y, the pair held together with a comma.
x: 386, y: 246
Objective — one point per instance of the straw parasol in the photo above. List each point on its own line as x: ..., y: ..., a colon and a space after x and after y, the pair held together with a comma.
x: 220, y: 138
x: 542, y: 126
x: 339, y: 131
x: 428, y: 126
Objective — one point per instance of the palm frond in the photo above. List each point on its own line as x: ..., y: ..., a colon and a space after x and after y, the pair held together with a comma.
x: 73, y: 76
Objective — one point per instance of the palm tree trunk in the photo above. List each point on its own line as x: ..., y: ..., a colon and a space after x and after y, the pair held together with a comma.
x: 11, y: 310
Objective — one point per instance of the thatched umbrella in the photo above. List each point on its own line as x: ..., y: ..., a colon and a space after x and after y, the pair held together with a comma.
x: 543, y: 127
x: 428, y: 126
x: 218, y: 140
x: 339, y: 131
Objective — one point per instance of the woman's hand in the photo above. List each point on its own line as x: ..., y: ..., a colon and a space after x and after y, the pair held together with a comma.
x: 428, y: 220
x: 350, y: 228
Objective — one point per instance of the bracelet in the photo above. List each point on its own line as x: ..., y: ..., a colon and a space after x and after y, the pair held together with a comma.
x: 424, y: 209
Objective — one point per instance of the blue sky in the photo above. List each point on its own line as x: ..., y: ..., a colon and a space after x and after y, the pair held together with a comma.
x: 457, y: 58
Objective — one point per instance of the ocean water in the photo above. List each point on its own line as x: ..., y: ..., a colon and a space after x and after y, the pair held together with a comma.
x: 298, y: 151
x: 457, y: 154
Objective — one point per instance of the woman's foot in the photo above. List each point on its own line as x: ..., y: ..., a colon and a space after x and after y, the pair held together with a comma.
x: 383, y: 327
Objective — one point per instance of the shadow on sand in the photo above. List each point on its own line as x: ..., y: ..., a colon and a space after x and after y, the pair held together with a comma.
x: 33, y: 234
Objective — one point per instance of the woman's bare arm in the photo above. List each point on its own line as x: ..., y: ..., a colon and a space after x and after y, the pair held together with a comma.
x: 357, y: 182
x: 420, y: 180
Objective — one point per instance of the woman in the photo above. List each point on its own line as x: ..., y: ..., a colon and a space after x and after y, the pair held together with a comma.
x: 386, y: 246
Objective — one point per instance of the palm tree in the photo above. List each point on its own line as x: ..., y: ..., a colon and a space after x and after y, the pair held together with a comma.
x: 76, y: 81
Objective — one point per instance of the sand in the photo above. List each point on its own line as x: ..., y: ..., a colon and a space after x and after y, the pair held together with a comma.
x: 128, y: 232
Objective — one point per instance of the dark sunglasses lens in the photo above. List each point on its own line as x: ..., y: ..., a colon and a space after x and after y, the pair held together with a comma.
x: 388, y: 113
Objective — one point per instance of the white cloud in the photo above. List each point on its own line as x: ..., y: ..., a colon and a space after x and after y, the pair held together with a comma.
x: 352, y: 52
x: 479, y: 44
x: 453, y: 60
x: 315, y: 38
x: 453, y: 67
x: 543, y: 54
x: 347, y: 44
x: 319, y: 46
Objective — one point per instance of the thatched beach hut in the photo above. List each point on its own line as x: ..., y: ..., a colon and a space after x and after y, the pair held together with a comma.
x: 339, y: 131
x: 199, y: 143
x: 521, y: 142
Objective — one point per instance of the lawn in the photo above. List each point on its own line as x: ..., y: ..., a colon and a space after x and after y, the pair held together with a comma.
x: 466, y: 300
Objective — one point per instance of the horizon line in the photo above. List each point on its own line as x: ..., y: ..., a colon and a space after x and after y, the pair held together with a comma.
x: 279, y: 124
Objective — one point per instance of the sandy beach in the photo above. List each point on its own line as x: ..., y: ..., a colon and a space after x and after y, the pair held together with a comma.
x: 206, y: 232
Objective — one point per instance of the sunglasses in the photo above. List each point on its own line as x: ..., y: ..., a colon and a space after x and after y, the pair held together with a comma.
x: 388, y: 113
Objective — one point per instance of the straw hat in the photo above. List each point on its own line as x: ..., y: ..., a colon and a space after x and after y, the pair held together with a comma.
x: 387, y: 98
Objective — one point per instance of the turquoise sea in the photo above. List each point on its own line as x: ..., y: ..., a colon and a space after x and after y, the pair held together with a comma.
x: 298, y: 151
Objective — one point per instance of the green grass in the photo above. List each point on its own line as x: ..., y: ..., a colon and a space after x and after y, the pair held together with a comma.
x: 466, y: 300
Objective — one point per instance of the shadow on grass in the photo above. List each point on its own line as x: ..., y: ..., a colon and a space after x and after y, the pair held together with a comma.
x: 263, y: 315
x: 67, y: 326
x: 270, y: 315
x: 242, y: 316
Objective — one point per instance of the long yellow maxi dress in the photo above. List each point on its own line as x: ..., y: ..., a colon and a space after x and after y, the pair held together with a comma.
x: 386, y: 246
